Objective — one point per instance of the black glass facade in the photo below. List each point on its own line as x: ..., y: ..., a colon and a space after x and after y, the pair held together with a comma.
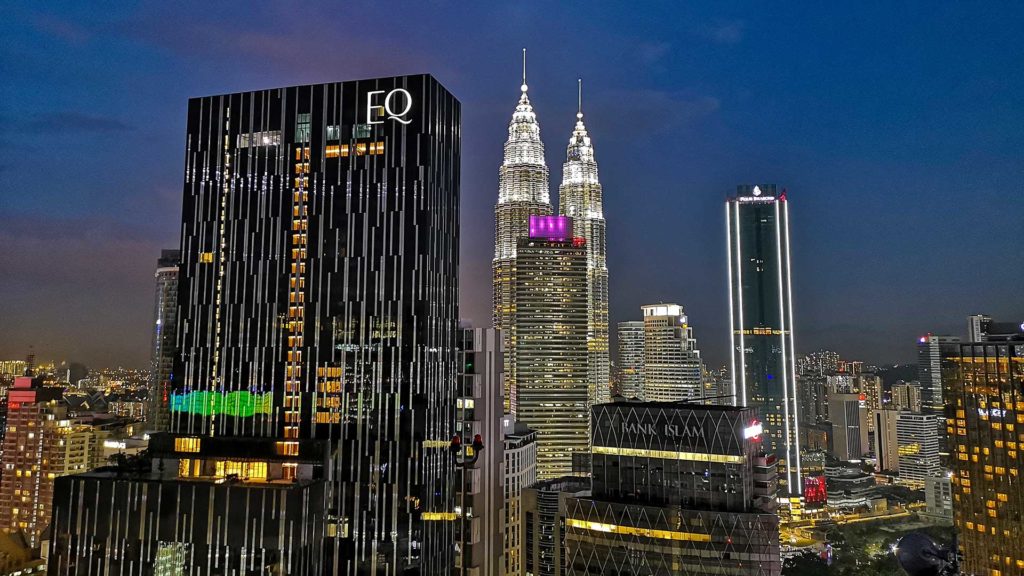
x: 318, y: 301
x: 677, y: 489
x: 761, y: 317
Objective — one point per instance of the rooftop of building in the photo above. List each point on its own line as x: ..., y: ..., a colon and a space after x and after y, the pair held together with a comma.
x: 622, y: 401
x: 133, y: 474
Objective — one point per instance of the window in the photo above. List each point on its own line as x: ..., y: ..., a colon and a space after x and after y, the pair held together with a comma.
x: 334, y: 132
x: 183, y: 444
x: 302, y: 122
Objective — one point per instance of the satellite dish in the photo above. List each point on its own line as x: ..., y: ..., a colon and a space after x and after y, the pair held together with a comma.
x: 919, y: 555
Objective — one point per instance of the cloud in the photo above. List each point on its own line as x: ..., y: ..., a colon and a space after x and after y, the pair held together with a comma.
x: 651, y: 52
x: 61, y: 29
x: 643, y: 112
x: 725, y: 32
x: 71, y: 121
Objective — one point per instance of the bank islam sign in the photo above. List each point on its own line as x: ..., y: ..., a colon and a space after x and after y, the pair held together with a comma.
x: 395, y: 105
x: 663, y: 430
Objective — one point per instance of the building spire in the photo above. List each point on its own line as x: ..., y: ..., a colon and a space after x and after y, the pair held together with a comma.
x: 524, y: 86
x: 579, y: 99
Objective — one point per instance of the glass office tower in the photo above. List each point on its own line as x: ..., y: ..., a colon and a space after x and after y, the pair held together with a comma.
x: 318, y: 308
x: 761, y: 319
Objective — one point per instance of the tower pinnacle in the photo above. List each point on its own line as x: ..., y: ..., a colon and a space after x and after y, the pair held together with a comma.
x: 579, y: 99
x: 524, y: 87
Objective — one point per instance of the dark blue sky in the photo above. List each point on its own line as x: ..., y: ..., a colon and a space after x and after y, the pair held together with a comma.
x: 898, y: 131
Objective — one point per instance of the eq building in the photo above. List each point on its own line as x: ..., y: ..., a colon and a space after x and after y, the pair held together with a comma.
x: 316, y: 377
x: 677, y: 488
x: 761, y: 319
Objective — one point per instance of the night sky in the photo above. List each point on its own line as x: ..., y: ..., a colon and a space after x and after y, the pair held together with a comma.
x: 897, y: 130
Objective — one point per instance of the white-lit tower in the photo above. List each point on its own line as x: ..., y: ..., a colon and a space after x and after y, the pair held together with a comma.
x: 579, y: 197
x: 522, y: 191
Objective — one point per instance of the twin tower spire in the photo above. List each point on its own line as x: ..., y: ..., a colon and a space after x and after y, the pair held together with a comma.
x: 523, y: 190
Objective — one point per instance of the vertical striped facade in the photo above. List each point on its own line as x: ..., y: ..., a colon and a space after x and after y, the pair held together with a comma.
x: 318, y: 302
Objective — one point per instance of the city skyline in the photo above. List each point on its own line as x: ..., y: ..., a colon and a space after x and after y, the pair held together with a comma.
x: 670, y: 104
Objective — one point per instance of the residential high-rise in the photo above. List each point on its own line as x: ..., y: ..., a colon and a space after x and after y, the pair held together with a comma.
x: 849, y: 416
x: 481, y: 501
x: 164, y: 344
x: 870, y: 386
x: 522, y: 192
x: 886, y: 441
x: 761, y: 319
x: 318, y: 354
x: 906, y: 396
x: 918, y: 439
x: 631, y: 358
x: 983, y: 383
x: 520, y: 473
x: 549, y: 342
x: 579, y: 197
x: 678, y: 488
x: 33, y: 455
x: 672, y: 366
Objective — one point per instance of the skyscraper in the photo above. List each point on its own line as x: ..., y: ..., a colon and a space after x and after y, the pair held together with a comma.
x: 520, y: 473
x: 631, y: 358
x: 522, y: 192
x: 481, y: 502
x: 977, y: 327
x: 761, y: 318
x: 906, y: 396
x: 318, y: 363
x: 579, y: 197
x: 549, y: 342
x: 678, y: 488
x: 849, y: 416
x: 918, y: 439
x: 983, y: 383
x: 165, y: 338
x: 886, y: 442
x: 31, y: 457
x: 929, y: 370
x: 929, y: 373
x: 672, y: 366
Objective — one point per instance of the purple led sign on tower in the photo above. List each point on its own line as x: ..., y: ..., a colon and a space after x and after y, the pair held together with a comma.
x: 550, y: 227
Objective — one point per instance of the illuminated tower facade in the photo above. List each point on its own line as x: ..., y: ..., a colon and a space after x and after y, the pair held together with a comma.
x: 550, y: 342
x: 313, y: 398
x: 761, y: 319
x: 631, y: 359
x: 522, y: 192
x: 164, y: 345
x: 579, y: 197
x: 673, y: 369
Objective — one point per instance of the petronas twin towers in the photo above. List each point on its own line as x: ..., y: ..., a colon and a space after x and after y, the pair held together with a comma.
x: 523, y: 191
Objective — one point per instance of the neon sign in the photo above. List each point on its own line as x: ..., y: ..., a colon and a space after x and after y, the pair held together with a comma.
x: 550, y: 227
x: 753, y: 431
x: 240, y: 403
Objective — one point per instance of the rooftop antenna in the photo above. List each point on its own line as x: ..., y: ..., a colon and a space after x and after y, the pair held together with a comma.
x: 579, y: 99
x: 524, y: 87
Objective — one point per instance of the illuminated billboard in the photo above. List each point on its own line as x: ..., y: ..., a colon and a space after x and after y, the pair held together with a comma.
x: 231, y: 403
